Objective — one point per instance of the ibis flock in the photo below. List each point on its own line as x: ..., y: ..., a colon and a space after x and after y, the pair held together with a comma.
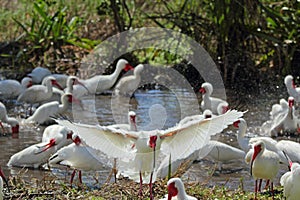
x: 145, y: 155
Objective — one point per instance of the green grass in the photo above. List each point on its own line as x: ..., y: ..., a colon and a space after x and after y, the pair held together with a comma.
x: 49, y: 187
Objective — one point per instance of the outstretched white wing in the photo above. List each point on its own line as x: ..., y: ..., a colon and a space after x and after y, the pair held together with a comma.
x: 182, y: 141
x: 110, y: 141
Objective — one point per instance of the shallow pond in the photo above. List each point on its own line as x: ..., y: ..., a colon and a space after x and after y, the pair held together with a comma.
x: 169, y: 107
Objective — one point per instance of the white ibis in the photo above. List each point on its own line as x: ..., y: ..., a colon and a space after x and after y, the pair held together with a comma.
x: 291, y: 87
x: 62, y: 135
x: 13, y: 122
x: 222, y: 108
x: 282, y: 119
x: 38, y: 74
x: 2, y: 178
x: 131, y: 126
x: 246, y: 143
x: 78, y: 157
x: 70, y: 82
x: 33, y: 156
x: 11, y: 89
x: 277, y: 109
x: 100, y: 83
x: 128, y: 84
x: 209, y: 102
x: 176, y: 191
x: 287, y: 121
x: 206, y: 114
x: 150, y: 144
x: 223, y: 153
x: 60, y: 78
x: 38, y: 93
x: 264, y: 164
x: 44, y: 112
x: 291, y: 182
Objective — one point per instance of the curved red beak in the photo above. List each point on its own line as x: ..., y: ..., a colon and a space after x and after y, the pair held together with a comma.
x: 257, y: 149
x: 48, y: 146
x: 128, y: 67
x: 236, y: 123
x: 77, y: 82
x: 55, y: 83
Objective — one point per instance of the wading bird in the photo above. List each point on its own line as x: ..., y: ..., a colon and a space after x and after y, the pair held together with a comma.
x: 100, y: 83
x: 38, y: 93
x: 78, y: 157
x: 44, y: 112
x: 264, y: 165
x: 11, y: 89
x: 128, y: 84
x: 212, y: 103
x: 148, y: 145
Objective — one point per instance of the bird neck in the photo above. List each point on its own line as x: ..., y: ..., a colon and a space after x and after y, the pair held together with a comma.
x: 182, y: 196
x: 242, y: 141
x: 49, y: 87
x: 133, y: 126
x: 64, y: 105
x: 206, y: 100
x: 69, y: 88
x: 181, y: 193
x: 291, y: 113
x: 115, y: 74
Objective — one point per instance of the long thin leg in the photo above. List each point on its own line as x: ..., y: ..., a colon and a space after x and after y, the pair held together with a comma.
x: 141, y: 185
x: 259, y: 185
x: 115, y: 169
x: 80, y: 177
x: 272, y: 190
x: 255, y: 189
x: 267, y: 183
x: 72, y: 177
x: 150, y: 186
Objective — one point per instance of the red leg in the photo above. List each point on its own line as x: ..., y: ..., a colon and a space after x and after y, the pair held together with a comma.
x: 267, y: 184
x: 141, y: 185
x: 255, y: 189
x: 79, y: 175
x: 72, y: 177
x: 259, y: 185
x: 115, y: 169
x: 272, y: 190
x: 150, y: 186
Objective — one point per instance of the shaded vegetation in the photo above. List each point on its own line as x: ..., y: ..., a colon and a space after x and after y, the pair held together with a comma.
x: 247, y: 39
